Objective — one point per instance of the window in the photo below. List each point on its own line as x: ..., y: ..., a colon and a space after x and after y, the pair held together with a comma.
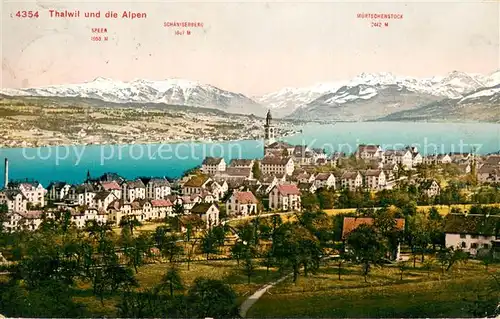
x: 473, y: 246
x: 486, y: 246
x: 462, y: 235
x: 473, y: 236
x: 464, y: 245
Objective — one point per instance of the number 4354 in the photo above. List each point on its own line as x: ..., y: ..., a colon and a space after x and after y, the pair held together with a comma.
x: 27, y: 14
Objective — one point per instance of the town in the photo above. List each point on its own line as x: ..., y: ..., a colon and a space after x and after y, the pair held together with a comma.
x: 366, y: 208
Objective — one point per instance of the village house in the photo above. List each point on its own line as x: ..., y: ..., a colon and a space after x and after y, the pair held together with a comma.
x: 241, y: 163
x: 465, y: 168
x: 302, y: 155
x: 307, y: 188
x: 430, y: 187
x: 57, y: 190
x: 242, y: 204
x: 492, y: 160
x: 161, y: 208
x: 400, y: 157
x: 208, y: 212
x: 285, y: 197
x: 81, y: 194
x: 279, y: 149
x: 351, y: 180
x: 157, y: 188
x: 218, y: 189
x: 14, y: 199
x: 417, y: 159
x: 117, y: 210
x: 270, y: 165
x: 102, y: 199
x: 325, y: 180
x: 213, y: 165
x: 352, y: 223
x: 368, y: 152
x: 374, y: 179
x: 443, y: 159
x: 236, y: 173
x: 132, y: 190
x: 196, y: 184
x: 471, y: 232
x: 303, y: 176
x: 457, y: 157
x: 112, y: 187
x: 32, y: 190
x: 268, y: 182
x: 488, y: 174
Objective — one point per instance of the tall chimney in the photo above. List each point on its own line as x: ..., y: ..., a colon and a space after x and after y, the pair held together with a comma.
x: 6, y: 176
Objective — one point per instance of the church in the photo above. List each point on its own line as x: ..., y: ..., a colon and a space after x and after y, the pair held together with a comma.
x: 271, y: 146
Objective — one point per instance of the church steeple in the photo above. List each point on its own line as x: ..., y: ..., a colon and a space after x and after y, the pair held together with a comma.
x: 268, y: 118
x: 268, y: 130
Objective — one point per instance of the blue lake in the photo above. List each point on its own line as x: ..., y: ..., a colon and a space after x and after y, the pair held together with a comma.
x: 70, y: 163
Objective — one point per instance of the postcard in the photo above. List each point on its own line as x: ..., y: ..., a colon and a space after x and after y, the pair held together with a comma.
x: 201, y: 130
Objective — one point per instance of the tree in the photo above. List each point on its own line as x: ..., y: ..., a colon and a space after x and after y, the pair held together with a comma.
x: 326, y: 198
x: 172, y: 280
x: 309, y: 202
x: 256, y: 170
x: 249, y: 265
x: 365, y: 247
x: 238, y: 251
x: 402, y: 266
x: 139, y: 249
x: 212, y: 298
x: 130, y: 222
x: 209, y: 244
x: 294, y: 245
x: 178, y: 209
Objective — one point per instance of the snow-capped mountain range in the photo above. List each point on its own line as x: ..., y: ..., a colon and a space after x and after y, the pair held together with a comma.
x: 169, y: 91
x: 367, y: 96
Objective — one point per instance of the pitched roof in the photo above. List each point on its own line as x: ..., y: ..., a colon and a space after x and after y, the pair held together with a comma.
x: 426, y: 184
x: 323, y: 176
x: 240, y: 162
x: 273, y: 160
x: 472, y: 224
x: 196, y: 181
x: 101, y: 195
x: 246, y: 197
x: 57, y: 185
x: 305, y: 186
x: 351, y: 223
x: 158, y: 181
x: 161, y: 203
x: 349, y: 175
x: 212, y: 160
x: 238, y: 171
x: 373, y: 172
x: 110, y: 185
x: 368, y: 148
x: 135, y: 184
x: 288, y: 189
x: 31, y: 214
x: 201, y: 208
x: 12, y: 193
x: 280, y: 144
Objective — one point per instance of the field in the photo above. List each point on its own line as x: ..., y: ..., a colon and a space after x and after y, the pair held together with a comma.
x: 150, y: 275
x: 418, y: 294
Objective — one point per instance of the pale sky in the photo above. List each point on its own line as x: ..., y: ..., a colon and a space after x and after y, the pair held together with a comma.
x: 252, y: 47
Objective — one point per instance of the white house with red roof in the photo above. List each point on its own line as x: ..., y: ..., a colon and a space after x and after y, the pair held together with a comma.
x: 242, y: 203
x: 161, y: 208
x: 112, y: 187
x: 285, y: 197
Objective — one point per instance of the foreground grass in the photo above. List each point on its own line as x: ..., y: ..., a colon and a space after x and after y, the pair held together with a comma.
x: 419, y: 294
x: 150, y: 275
